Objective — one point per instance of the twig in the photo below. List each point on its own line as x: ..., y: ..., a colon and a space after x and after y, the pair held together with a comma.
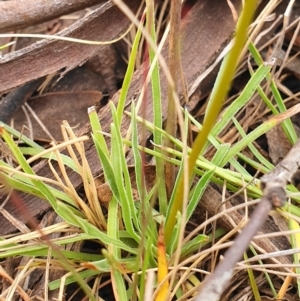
x: 274, y: 195
x: 284, y: 171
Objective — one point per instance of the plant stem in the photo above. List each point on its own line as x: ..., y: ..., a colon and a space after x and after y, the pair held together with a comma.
x: 217, y: 98
x: 174, y: 59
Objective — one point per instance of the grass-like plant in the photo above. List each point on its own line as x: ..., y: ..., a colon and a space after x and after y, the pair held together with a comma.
x: 140, y: 240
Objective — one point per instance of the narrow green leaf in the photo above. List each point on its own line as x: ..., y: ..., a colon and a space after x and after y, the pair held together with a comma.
x: 97, y: 130
x: 198, y: 192
x: 157, y: 111
x: 107, y: 168
x: 128, y: 75
x: 253, y: 283
x: 113, y: 225
x: 21, y: 137
x: 287, y: 124
x: 255, y: 152
x: 241, y: 101
x: 257, y: 132
x: 127, y: 204
x: 175, y: 234
x: 141, y: 185
x: 194, y: 244
x: 220, y: 154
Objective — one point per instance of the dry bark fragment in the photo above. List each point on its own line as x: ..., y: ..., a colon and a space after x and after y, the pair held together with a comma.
x: 20, y: 14
x: 48, y: 56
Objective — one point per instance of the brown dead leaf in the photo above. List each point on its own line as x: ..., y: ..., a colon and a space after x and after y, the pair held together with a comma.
x: 278, y: 144
x: 53, y: 108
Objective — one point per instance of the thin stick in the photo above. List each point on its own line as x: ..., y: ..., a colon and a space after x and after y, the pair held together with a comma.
x: 274, y: 195
x: 214, y: 285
